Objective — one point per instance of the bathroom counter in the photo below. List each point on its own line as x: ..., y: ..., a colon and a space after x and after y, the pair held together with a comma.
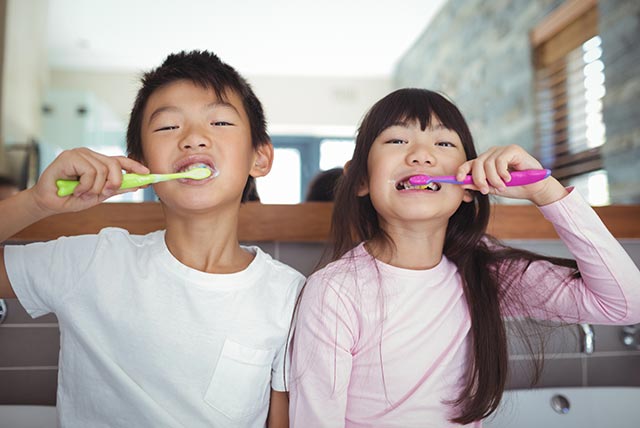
x: 307, y: 222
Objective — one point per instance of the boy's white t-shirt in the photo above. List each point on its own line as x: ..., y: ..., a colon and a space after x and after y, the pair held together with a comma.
x: 148, y: 341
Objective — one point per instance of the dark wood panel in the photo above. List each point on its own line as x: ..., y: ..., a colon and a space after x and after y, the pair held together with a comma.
x: 308, y: 222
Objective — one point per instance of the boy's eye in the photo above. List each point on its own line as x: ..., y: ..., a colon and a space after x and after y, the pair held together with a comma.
x: 221, y: 123
x: 167, y: 128
x: 397, y: 142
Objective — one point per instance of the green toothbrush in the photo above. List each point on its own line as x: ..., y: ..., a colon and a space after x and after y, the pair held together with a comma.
x: 66, y: 187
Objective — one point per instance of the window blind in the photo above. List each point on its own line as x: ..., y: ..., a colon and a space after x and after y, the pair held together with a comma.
x: 569, y: 86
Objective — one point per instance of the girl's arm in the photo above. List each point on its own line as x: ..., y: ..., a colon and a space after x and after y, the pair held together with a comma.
x: 325, y: 333
x: 608, y: 291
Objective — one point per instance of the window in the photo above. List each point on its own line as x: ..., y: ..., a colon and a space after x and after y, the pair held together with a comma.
x: 297, y: 160
x: 569, y: 87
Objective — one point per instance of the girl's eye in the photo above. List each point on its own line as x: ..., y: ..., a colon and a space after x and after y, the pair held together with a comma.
x: 221, y: 123
x: 445, y: 144
x: 397, y: 142
x: 167, y: 128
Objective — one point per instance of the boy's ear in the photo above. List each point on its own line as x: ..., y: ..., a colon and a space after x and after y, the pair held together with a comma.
x: 262, y: 160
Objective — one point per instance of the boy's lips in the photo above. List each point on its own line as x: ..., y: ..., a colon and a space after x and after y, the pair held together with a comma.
x: 192, y: 162
x: 196, y: 161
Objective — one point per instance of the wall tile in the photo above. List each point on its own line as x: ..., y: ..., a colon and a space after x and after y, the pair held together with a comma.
x: 556, y: 373
x: 17, y: 315
x: 614, y: 371
x: 36, y: 387
x: 609, y: 338
x: 555, y: 338
x: 29, y: 346
x: 303, y: 257
x: 267, y: 247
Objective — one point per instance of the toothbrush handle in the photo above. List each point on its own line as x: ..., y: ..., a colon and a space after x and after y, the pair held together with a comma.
x: 129, y: 181
x: 528, y: 176
x: 518, y: 178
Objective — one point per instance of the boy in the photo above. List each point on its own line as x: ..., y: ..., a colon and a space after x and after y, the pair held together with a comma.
x: 182, y: 327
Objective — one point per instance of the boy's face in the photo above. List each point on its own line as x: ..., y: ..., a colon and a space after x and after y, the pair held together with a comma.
x: 184, y: 125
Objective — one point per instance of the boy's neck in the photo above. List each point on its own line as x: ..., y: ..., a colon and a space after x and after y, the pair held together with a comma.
x: 208, y: 243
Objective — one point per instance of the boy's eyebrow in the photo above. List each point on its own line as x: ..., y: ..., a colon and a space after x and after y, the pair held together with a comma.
x: 222, y: 104
x: 162, y: 110
x: 209, y: 106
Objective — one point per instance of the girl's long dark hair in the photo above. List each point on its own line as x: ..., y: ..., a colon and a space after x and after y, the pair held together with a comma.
x: 485, y: 265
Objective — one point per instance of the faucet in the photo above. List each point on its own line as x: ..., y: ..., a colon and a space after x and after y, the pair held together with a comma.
x: 629, y: 336
x: 588, y: 343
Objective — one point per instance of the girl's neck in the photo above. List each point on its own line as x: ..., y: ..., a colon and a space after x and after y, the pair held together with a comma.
x: 208, y: 243
x: 417, y: 248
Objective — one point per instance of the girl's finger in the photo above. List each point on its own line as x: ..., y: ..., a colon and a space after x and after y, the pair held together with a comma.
x: 479, y: 177
x: 502, y: 167
x: 464, y: 169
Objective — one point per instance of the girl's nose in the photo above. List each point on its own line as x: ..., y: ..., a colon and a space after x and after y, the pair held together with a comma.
x: 421, y: 156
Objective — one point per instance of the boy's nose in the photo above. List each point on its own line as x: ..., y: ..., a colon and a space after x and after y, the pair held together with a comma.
x: 194, y: 141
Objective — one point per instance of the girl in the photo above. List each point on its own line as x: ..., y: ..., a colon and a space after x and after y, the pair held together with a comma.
x: 405, y: 327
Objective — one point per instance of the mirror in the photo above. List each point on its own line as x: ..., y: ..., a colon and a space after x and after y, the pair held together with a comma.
x: 72, y: 68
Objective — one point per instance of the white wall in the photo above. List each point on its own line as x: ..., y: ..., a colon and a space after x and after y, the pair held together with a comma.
x: 291, y: 103
x: 25, y: 71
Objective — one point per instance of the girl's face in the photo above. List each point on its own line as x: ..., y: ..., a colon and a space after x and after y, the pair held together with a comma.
x: 403, y: 150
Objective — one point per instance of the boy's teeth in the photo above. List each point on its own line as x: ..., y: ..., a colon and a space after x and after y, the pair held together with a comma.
x: 194, y: 166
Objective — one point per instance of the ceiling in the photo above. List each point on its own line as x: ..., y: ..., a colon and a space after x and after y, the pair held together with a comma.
x: 258, y: 37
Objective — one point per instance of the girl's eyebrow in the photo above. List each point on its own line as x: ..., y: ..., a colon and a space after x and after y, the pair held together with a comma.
x: 437, y: 127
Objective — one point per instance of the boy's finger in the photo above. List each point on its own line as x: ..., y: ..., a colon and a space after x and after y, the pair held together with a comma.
x: 131, y: 165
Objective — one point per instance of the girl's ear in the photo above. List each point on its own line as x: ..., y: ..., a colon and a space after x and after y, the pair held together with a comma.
x: 468, y: 196
x: 262, y: 160
x: 363, y: 189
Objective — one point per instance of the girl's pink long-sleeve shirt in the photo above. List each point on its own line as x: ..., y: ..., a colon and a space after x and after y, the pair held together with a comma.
x: 381, y: 346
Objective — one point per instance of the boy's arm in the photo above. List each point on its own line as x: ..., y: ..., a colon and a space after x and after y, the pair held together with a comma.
x: 278, y: 410
x: 100, y: 177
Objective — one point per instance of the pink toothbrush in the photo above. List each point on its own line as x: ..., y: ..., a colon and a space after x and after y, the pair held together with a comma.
x: 518, y: 178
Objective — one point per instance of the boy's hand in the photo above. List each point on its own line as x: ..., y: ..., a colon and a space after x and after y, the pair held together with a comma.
x: 490, y: 171
x: 100, y: 177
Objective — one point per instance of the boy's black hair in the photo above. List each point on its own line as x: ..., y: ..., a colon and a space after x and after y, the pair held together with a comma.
x: 205, y: 69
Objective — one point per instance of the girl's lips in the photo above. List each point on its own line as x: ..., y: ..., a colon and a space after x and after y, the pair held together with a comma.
x: 405, y: 185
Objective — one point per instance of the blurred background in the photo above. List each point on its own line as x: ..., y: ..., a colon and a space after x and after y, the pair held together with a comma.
x: 560, y: 78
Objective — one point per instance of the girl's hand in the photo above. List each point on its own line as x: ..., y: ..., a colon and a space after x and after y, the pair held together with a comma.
x: 490, y: 171
x: 100, y: 177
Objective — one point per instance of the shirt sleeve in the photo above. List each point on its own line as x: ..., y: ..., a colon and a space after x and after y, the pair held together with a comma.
x: 608, y: 290
x: 43, y: 273
x: 325, y: 335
